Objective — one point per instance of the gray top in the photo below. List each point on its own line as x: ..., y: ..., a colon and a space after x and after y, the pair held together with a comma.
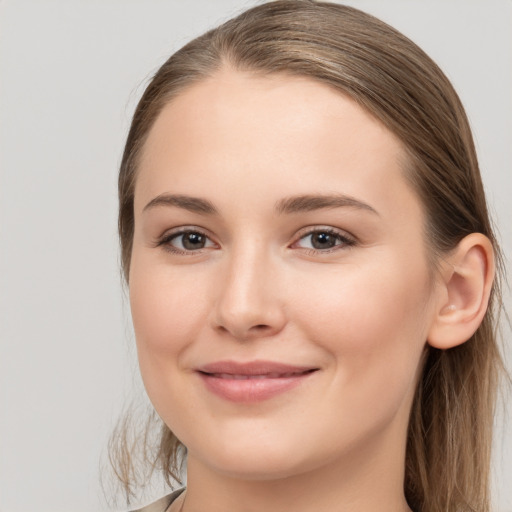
x: 162, y: 504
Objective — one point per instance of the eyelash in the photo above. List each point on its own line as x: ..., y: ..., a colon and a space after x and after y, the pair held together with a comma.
x: 165, y: 241
x: 346, y: 241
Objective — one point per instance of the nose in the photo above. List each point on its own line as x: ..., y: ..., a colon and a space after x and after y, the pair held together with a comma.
x: 248, y: 304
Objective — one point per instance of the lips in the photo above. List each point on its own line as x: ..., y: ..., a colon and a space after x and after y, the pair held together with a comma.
x: 254, y: 381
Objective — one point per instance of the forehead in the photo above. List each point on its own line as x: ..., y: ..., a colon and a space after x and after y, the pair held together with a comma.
x: 274, y: 131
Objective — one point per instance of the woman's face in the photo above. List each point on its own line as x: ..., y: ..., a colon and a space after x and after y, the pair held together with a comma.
x: 279, y: 284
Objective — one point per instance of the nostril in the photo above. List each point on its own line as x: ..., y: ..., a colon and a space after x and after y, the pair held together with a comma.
x: 261, y: 327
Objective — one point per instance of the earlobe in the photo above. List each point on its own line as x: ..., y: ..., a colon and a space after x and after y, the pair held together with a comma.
x: 466, y: 284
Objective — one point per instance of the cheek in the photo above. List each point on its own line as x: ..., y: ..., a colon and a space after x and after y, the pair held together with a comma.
x: 368, y: 305
x: 167, y: 312
x: 163, y: 310
x: 373, y: 324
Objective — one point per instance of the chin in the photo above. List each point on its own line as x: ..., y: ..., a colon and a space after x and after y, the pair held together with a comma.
x: 256, y: 461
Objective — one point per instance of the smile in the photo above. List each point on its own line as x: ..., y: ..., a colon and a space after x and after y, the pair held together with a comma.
x: 245, y: 377
x: 252, y: 382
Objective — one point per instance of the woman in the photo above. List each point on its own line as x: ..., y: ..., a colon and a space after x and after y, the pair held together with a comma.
x: 311, y: 269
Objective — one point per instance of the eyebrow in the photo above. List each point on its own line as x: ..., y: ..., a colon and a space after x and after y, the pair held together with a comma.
x: 289, y: 205
x: 192, y: 204
x: 309, y: 203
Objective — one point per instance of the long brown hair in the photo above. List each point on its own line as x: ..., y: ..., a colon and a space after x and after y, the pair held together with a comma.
x: 449, y: 437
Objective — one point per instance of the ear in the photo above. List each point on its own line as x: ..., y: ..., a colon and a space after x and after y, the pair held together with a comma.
x: 464, y: 289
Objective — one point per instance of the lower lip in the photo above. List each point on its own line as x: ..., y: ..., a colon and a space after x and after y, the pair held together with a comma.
x: 252, y: 389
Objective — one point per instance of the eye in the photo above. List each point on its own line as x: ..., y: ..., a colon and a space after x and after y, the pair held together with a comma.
x: 186, y: 241
x: 324, y: 240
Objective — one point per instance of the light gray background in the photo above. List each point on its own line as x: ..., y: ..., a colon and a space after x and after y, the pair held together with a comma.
x: 70, y: 74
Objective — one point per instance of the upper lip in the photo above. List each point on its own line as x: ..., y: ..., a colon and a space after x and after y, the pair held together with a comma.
x: 252, y: 368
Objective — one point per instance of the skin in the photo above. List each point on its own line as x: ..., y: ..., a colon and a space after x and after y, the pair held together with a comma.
x: 360, y: 312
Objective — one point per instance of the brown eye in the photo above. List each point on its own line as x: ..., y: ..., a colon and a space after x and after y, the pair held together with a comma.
x: 192, y: 241
x: 324, y: 239
x: 187, y: 241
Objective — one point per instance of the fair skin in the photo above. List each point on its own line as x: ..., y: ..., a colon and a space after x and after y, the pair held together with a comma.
x: 241, y: 272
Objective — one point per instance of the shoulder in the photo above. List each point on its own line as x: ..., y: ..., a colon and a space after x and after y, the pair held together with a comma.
x: 162, y: 504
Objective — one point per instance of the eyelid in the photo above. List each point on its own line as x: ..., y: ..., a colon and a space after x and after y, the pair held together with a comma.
x: 348, y: 240
x: 164, y: 240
